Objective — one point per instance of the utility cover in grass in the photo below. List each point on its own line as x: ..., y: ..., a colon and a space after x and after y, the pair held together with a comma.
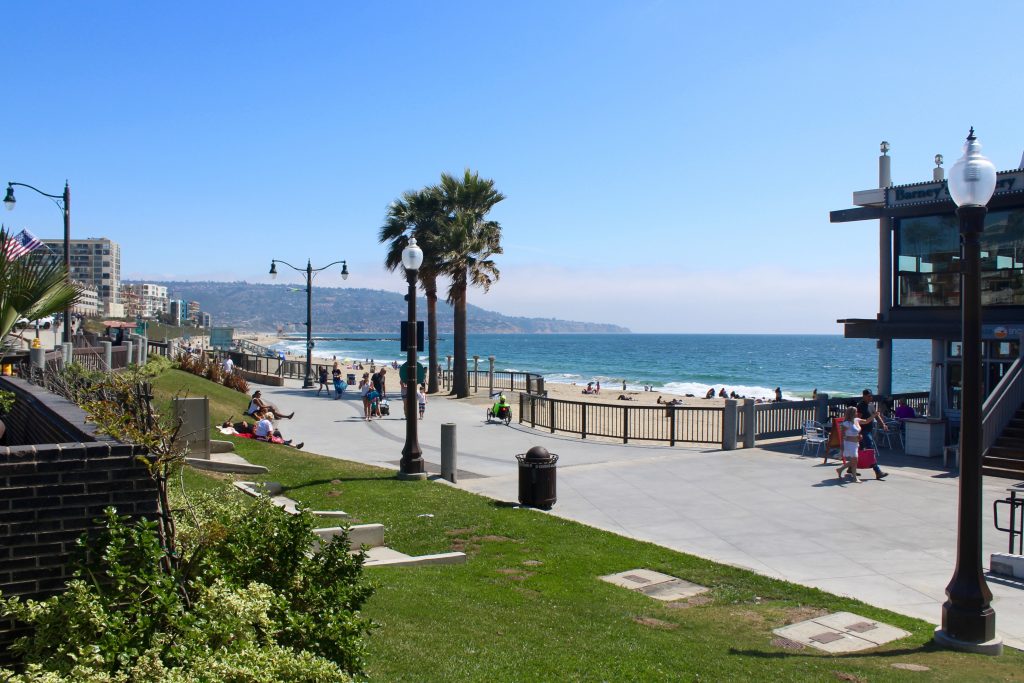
x: 841, y: 632
x: 654, y: 584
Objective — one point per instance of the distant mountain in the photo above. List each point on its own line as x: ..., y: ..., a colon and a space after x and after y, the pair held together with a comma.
x: 261, y: 307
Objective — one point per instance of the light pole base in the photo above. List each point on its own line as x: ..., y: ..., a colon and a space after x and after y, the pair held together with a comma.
x: 992, y: 647
x: 411, y: 476
x: 307, y: 384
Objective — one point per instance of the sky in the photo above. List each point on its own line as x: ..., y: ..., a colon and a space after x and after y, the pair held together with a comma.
x: 668, y: 166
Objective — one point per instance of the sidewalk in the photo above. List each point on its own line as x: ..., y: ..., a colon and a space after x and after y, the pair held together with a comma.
x: 889, y: 543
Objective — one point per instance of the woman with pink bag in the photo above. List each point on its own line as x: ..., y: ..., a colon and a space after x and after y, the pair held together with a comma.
x: 850, y: 430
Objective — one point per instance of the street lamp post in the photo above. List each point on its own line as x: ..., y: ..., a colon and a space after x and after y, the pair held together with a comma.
x: 968, y: 620
x: 308, y: 383
x: 63, y: 202
x: 411, y: 466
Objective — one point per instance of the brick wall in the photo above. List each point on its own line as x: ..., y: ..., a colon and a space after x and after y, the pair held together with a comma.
x: 50, y: 494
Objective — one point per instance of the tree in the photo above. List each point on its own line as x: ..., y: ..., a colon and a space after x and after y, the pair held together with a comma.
x: 419, y: 214
x: 467, y: 245
x: 31, y: 288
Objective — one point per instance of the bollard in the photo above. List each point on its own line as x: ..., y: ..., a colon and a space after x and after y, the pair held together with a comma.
x: 67, y: 351
x: 476, y: 374
x: 107, y: 346
x: 449, y: 466
x: 37, y: 358
x: 127, y: 352
x: 730, y: 418
x: 749, y: 423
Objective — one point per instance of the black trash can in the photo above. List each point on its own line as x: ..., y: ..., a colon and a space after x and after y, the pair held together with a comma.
x: 351, y: 379
x: 537, y: 478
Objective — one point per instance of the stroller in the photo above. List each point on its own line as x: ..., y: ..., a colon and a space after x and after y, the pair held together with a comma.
x: 385, y: 407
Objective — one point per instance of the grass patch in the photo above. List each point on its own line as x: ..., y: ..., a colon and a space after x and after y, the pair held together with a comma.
x: 528, y: 604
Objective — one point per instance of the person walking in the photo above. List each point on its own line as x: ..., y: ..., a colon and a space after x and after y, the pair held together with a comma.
x: 322, y: 379
x: 870, y: 415
x: 421, y: 399
x: 850, y: 431
x: 364, y: 390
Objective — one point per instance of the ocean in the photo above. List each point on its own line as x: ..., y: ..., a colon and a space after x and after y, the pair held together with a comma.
x: 751, y: 365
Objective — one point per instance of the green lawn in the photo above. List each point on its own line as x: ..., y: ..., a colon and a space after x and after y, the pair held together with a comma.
x: 528, y: 606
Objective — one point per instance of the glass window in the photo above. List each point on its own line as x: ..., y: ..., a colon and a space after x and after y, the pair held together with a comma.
x: 928, y: 260
x: 955, y: 349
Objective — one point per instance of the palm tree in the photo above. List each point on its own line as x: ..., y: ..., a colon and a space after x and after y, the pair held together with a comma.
x: 31, y: 288
x: 468, y: 243
x: 419, y: 214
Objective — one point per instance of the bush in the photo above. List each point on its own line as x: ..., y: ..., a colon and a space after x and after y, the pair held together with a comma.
x: 210, y: 368
x: 245, y: 603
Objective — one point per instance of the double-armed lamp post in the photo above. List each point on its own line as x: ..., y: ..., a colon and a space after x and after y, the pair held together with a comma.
x: 63, y: 202
x: 411, y: 465
x: 308, y: 383
x: 968, y: 620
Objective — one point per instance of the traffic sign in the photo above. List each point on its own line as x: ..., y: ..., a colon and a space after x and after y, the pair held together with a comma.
x: 421, y: 373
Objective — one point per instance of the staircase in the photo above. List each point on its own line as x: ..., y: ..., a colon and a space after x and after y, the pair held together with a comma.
x: 1005, y: 458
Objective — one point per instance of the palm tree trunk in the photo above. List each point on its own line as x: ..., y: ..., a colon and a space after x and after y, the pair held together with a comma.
x: 432, y: 380
x: 461, y: 385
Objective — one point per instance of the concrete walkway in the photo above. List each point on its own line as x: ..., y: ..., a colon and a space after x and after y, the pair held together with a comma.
x: 889, y: 543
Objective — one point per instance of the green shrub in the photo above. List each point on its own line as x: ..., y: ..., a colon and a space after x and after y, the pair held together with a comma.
x: 247, y: 602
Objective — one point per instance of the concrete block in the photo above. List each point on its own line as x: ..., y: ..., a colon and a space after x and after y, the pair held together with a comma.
x: 1005, y: 564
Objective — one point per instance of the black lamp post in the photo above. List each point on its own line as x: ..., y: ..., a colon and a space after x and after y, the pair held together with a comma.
x: 411, y: 466
x: 308, y: 383
x: 63, y: 202
x: 968, y: 620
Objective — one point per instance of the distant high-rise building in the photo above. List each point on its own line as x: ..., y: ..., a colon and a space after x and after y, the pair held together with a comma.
x: 177, y: 311
x: 95, y: 262
x: 193, y: 312
x: 146, y: 300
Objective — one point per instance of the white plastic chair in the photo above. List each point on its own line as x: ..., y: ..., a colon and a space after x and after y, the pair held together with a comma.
x: 814, y: 435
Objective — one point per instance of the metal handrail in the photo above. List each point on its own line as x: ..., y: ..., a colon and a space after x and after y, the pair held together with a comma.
x: 1002, y: 404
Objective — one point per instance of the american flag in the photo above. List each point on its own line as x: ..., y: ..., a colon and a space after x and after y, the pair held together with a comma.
x: 21, y: 244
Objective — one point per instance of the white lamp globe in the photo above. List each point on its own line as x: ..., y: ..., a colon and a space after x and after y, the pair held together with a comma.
x: 972, y: 180
x: 412, y: 255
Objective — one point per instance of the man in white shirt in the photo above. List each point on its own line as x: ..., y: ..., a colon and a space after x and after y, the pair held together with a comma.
x: 228, y: 365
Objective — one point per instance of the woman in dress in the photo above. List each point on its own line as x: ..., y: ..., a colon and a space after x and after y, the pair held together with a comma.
x: 850, y: 430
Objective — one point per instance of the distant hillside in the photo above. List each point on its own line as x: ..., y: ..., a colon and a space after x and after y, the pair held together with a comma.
x: 260, y: 307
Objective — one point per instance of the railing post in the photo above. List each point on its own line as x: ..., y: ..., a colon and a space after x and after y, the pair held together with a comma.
x: 583, y: 421
x: 821, y: 409
x: 672, y: 426
x: 127, y: 353
x: 522, y: 403
x: 749, y: 423
x: 67, y: 351
x: 533, y: 414
x: 625, y: 424
x: 490, y: 376
x: 476, y: 374
x: 551, y: 415
x: 729, y: 418
x: 107, y: 346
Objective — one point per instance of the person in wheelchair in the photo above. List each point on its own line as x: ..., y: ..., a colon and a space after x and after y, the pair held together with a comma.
x: 500, y: 409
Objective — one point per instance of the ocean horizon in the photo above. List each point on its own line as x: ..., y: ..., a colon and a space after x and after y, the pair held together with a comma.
x: 749, y: 364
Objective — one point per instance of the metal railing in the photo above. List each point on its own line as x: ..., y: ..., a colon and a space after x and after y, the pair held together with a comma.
x: 669, y: 424
x: 1002, y: 404
x: 529, y: 382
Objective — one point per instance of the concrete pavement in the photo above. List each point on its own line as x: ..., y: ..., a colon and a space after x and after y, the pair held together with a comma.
x: 889, y: 543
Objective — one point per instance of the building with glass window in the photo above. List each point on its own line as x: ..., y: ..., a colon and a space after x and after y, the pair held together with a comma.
x: 96, y: 262
x: 919, y: 278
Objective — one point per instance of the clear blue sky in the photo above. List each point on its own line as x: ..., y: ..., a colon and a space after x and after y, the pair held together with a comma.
x: 669, y: 166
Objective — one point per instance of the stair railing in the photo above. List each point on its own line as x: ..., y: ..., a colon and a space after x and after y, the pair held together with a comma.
x: 1002, y: 404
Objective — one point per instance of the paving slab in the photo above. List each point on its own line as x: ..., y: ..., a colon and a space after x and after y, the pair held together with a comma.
x: 841, y: 632
x: 654, y: 584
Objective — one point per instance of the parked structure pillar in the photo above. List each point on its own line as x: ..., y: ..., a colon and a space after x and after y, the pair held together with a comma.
x: 107, y: 353
x: 128, y: 348
x: 490, y: 376
x: 749, y: 422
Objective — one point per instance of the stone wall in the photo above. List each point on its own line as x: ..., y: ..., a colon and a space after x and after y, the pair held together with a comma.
x: 51, y: 493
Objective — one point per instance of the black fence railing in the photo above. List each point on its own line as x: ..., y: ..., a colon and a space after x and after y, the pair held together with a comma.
x: 669, y: 424
x: 479, y: 380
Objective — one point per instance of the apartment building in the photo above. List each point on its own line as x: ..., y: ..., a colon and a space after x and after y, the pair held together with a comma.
x: 95, y: 262
x: 144, y: 299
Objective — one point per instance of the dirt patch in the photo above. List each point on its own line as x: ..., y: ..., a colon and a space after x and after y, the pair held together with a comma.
x: 655, y: 623
x: 910, y: 667
x: 795, y: 615
x: 786, y: 644
x: 527, y: 592
x: 492, y: 539
x: 749, y: 616
x: 333, y: 494
x: 692, y: 601
x: 335, y: 481
x: 853, y: 678
x: 516, y: 574
x: 460, y: 532
x: 532, y: 563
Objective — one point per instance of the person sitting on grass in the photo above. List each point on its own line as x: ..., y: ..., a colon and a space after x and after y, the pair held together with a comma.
x: 264, y: 431
x: 257, y: 404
